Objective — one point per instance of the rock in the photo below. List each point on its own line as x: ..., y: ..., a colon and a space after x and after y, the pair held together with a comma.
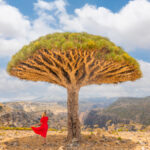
x: 6, y: 143
x: 70, y: 145
x: 75, y: 144
x: 75, y: 140
x: 142, y: 143
x: 61, y: 148
x: 27, y: 146
x: 117, y: 142
x: 102, y: 140
x: 106, y: 144
x: 15, y: 144
x: 143, y: 148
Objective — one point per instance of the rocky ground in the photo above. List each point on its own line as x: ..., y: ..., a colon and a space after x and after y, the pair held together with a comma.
x: 27, y: 140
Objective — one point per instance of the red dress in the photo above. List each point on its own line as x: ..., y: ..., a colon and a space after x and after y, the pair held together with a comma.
x: 42, y: 130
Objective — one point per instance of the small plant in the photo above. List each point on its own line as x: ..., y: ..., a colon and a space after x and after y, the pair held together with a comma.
x: 108, y: 123
x: 16, y: 133
x: 2, y: 134
x: 90, y: 136
x: 119, y: 138
x: 83, y: 128
x: 98, y: 131
x: 52, y: 129
x: 114, y: 132
x: 96, y: 126
x: 89, y: 129
x: 120, y: 129
x: 91, y: 133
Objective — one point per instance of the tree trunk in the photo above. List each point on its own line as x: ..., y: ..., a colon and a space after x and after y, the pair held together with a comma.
x: 73, y: 117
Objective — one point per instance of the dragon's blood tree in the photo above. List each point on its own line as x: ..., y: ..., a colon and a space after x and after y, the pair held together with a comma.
x: 74, y: 60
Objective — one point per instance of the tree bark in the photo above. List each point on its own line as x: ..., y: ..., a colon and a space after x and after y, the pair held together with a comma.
x: 74, y: 130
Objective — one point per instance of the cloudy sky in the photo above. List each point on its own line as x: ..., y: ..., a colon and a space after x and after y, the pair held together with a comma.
x: 125, y: 22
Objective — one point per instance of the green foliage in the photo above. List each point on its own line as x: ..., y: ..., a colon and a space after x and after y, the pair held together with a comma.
x: 52, y: 129
x: 119, y: 138
x: 14, y: 128
x: 91, y: 133
x: 114, y: 132
x: 120, y: 129
x: 67, y: 40
x: 22, y: 128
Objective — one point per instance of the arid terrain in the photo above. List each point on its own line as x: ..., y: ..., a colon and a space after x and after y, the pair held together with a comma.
x: 120, y: 125
x: 27, y: 140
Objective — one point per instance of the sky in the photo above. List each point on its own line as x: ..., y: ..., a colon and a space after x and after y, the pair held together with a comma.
x: 125, y: 22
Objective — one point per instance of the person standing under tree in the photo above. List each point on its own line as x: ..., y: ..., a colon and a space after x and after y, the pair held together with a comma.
x: 42, y: 130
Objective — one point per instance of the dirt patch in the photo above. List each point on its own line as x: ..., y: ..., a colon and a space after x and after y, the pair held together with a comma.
x: 58, y: 142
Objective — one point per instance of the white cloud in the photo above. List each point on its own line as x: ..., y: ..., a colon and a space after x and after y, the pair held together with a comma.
x: 12, y: 21
x: 140, y: 87
x: 48, y: 12
x: 10, y: 46
x: 12, y: 88
x: 58, y: 5
x: 103, y: 91
x: 128, y: 28
x: 19, y: 30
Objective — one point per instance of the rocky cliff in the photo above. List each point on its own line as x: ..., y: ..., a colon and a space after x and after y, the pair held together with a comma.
x: 123, y: 110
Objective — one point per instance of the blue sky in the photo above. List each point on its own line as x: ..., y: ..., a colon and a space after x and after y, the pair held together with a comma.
x: 125, y: 22
x: 26, y: 7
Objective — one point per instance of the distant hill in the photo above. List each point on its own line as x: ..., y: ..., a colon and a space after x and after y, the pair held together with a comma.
x: 98, y: 117
x: 30, y: 106
x: 27, y: 113
x: 92, y: 111
x: 123, y: 110
x: 12, y: 117
x: 85, y: 104
x: 4, y: 108
x: 88, y: 104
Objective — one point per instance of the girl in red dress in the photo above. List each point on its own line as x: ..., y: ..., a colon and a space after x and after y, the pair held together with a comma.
x: 42, y: 130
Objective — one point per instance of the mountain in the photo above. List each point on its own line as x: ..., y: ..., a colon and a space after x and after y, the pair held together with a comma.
x: 122, y: 110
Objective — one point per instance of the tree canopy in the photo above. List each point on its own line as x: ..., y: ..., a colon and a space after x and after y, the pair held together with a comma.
x: 67, y: 41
